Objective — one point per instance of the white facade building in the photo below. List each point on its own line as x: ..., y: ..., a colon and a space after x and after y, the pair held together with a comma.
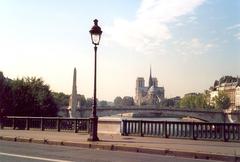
x: 230, y: 86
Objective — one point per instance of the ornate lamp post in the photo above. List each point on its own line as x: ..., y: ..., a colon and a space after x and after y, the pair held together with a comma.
x: 96, y: 33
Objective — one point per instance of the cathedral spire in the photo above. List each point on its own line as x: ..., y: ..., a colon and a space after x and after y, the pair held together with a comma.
x: 150, y: 82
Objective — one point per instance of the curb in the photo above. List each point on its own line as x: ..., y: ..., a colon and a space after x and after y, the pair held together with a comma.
x: 97, y: 145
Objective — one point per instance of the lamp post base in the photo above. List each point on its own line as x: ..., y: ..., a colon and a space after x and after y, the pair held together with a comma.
x: 91, y: 139
x: 93, y: 129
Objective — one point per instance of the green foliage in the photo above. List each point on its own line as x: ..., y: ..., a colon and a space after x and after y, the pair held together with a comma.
x: 61, y: 99
x: 118, y: 101
x: 167, y: 103
x: 127, y: 101
x: 82, y: 100
x: 5, y: 93
x: 194, y: 101
x: 26, y: 97
x: 32, y: 98
x: 103, y: 103
x: 222, y: 101
x: 89, y: 102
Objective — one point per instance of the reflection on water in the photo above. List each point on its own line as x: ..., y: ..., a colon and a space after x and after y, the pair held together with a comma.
x: 177, y: 119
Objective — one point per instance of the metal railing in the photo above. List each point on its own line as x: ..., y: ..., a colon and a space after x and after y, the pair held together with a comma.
x: 189, y: 130
x: 46, y: 123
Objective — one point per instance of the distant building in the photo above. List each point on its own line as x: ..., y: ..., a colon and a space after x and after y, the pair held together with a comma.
x: 229, y: 85
x: 176, y: 99
x: 191, y: 94
x: 148, y: 95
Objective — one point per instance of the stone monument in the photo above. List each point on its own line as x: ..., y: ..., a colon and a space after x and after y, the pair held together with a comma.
x: 73, y: 102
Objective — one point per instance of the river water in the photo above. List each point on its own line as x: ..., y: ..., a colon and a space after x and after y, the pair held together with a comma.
x: 156, y: 119
x: 119, y: 118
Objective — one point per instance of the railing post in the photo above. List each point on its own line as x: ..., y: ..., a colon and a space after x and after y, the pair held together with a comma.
x: 124, y: 128
x: 42, y: 124
x: 75, y: 126
x: 224, y: 132
x: 58, y: 124
x: 14, y: 123
x: 140, y: 128
x: 2, y: 121
x: 89, y: 125
x: 27, y: 123
x: 193, y: 131
x: 165, y: 129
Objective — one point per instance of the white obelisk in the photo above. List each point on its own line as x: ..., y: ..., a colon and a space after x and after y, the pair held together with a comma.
x: 73, y: 97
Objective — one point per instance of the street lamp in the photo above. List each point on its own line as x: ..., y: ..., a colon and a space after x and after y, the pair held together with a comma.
x: 96, y: 33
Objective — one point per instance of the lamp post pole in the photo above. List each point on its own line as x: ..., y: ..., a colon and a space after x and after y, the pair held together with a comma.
x: 95, y: 83
x: 95, y: 36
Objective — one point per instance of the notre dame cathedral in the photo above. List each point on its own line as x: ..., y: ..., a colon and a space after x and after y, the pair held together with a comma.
x: 148, y: 95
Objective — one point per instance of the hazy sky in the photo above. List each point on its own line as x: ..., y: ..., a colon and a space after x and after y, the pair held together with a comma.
x: 188, y: 43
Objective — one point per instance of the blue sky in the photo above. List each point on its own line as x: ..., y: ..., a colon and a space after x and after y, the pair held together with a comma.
x: 189, y: 44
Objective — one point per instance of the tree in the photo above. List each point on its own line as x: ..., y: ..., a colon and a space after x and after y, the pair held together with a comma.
x: 5, y: 94
x: 187, y: 102
x: 167, y: 103
x: 118, y: 101
x: 207, y: 98
x: 200, y: 101
x: 194, y: 101
x: 222, y: 101
x: 89, y: 102
x: 127, y: 101
x: 61, y: 99
x: 82, y: 100
x: 31, y: 97
x: 103, y: 103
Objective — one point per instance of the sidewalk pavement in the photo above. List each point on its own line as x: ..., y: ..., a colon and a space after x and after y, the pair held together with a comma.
x: 216, y: 150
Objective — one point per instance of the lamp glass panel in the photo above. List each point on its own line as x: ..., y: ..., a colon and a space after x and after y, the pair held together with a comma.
x: 96, y: 38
